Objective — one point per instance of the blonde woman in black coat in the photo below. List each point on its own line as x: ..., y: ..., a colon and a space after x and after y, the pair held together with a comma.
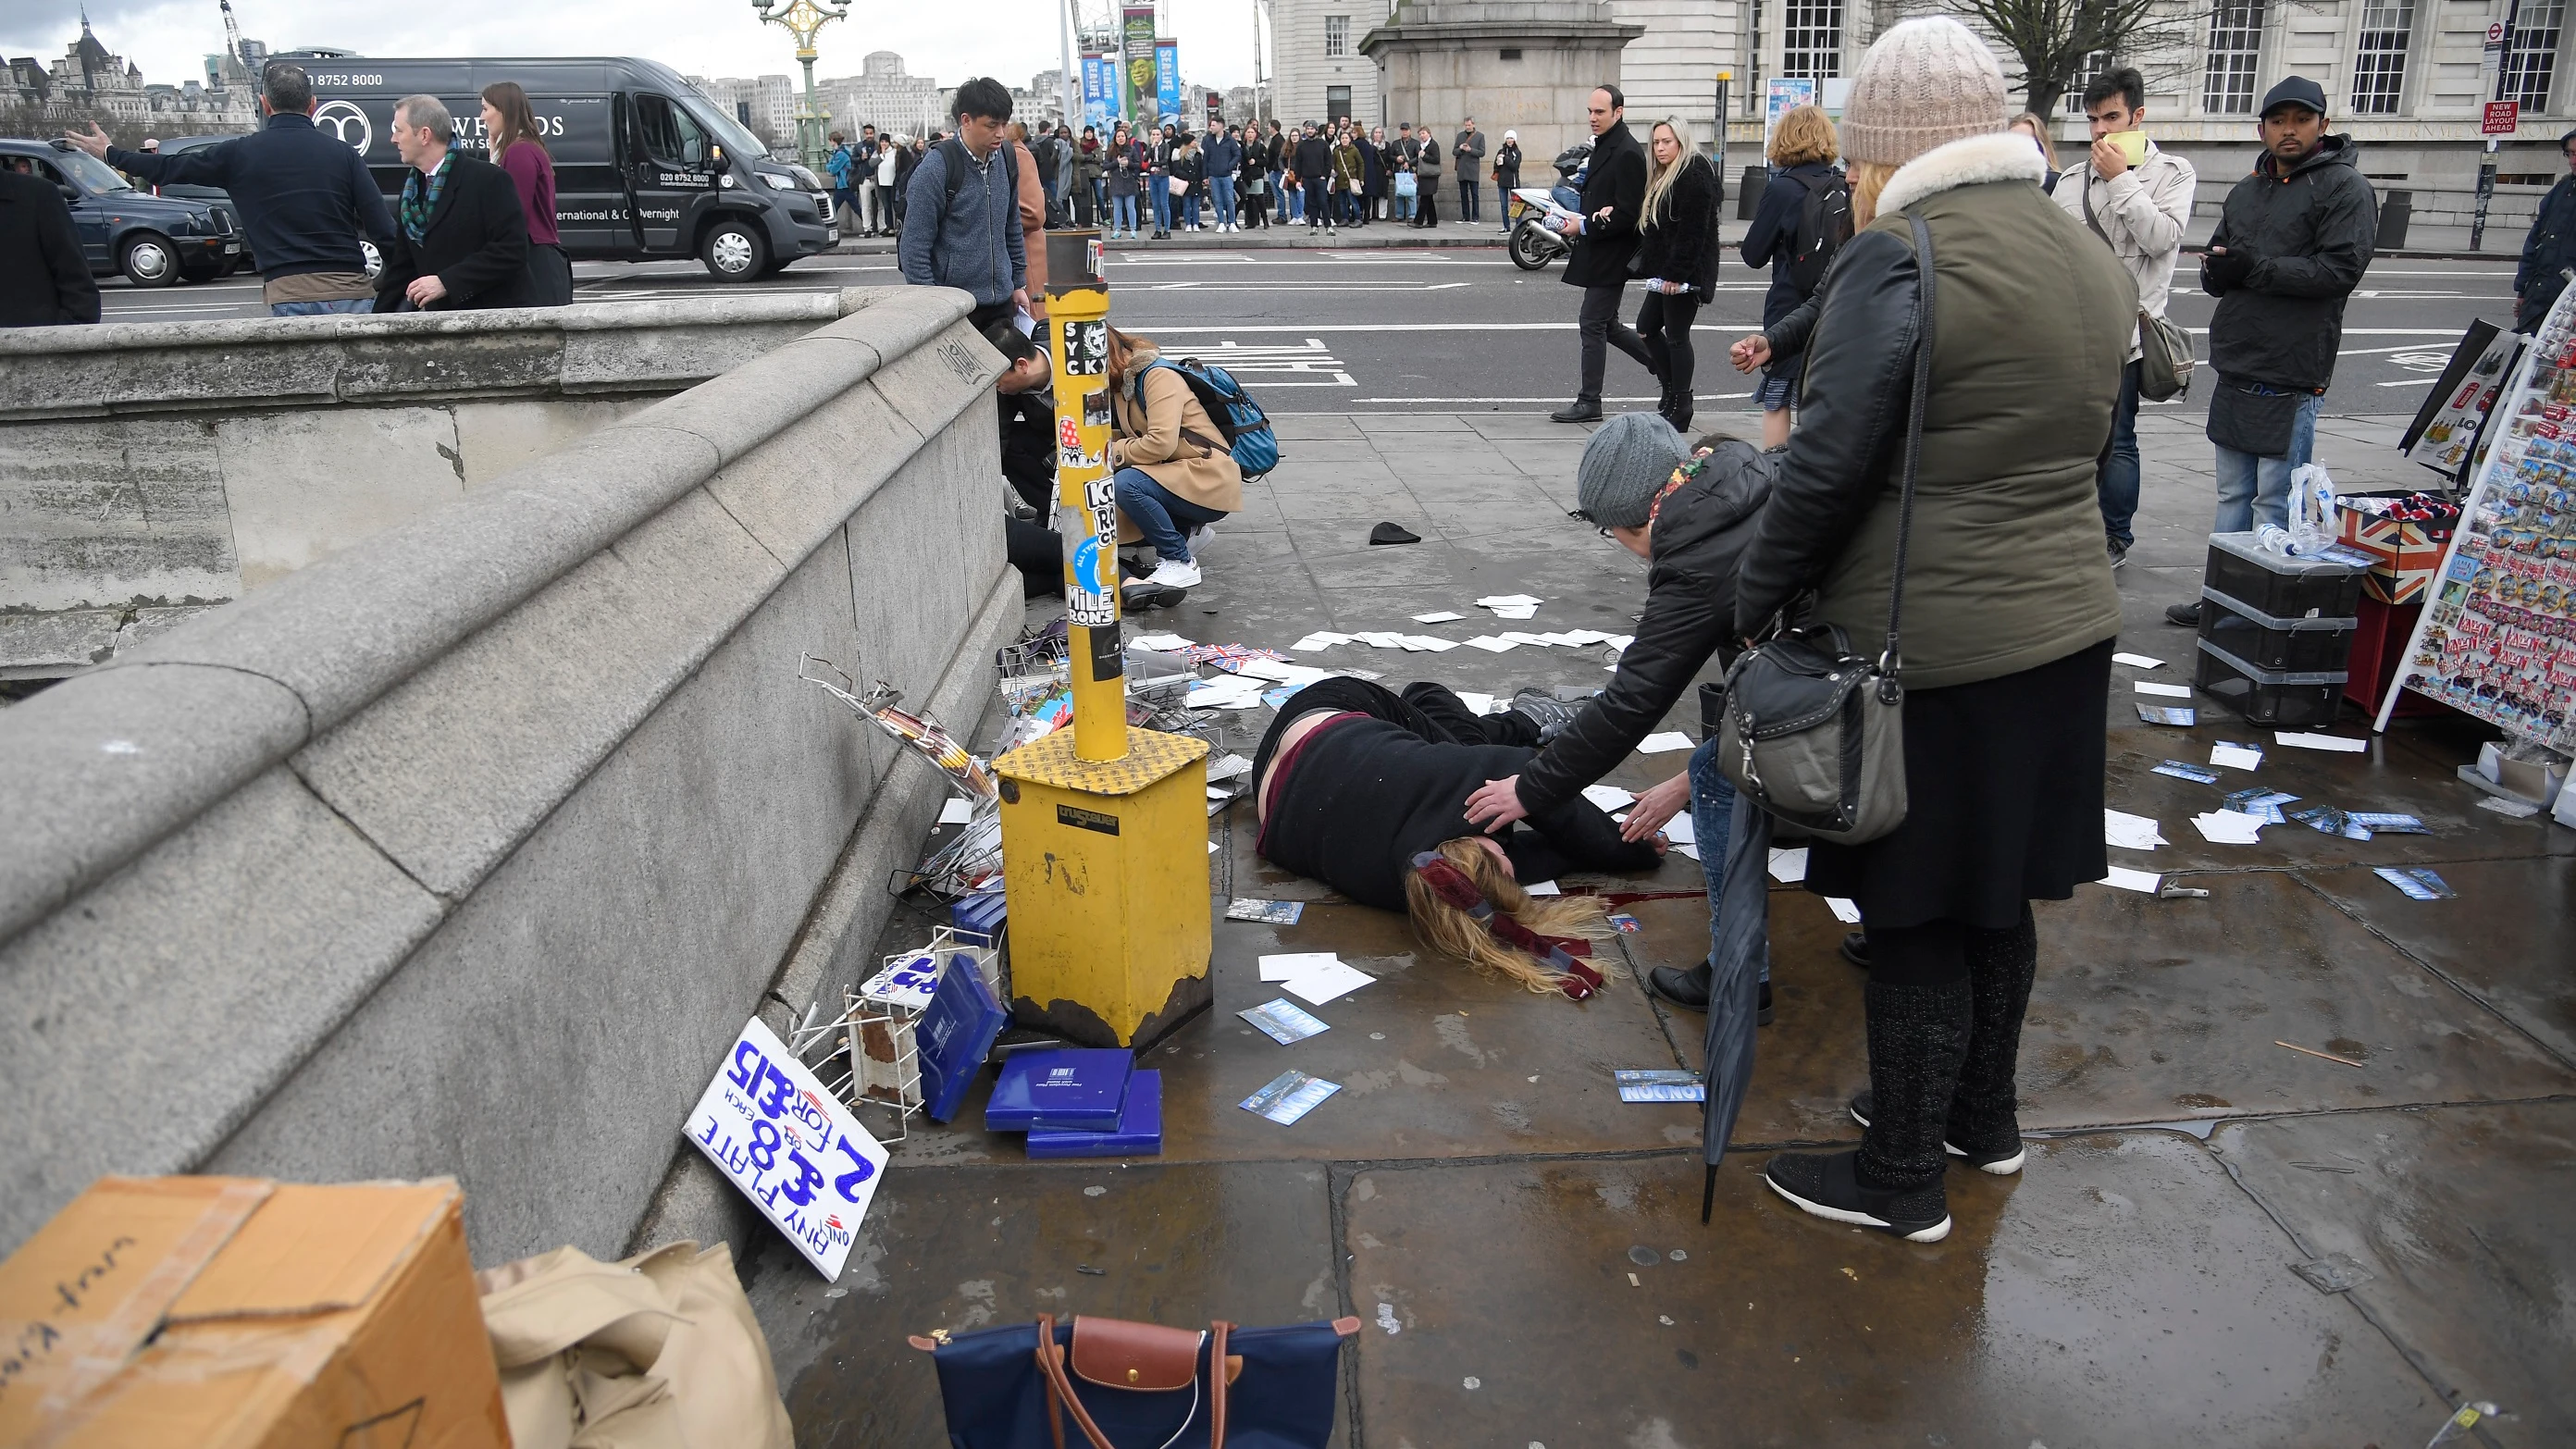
x: 1677, y: 250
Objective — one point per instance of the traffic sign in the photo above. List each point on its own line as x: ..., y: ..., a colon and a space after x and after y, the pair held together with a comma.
x: 2501, y: 119
x: 2495, y: 33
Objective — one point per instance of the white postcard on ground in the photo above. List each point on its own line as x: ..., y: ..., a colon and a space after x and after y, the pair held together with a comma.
x: 1542, y: 888
x: 1516, y: 611
x: 1608, y: 797
x: 2165, y: 691
x: 1516, y: 636
x: 1690, y: 850
x: 2229, y: 827
x: 1160, y: 643
x: 1509, y: 601
x: 1665, y: 743
x: 1476, y: 703
x: 2132, y: 880
x: 1847, y: 912
x: 789, y: 1146
x: 2229, y: 756
x: 2130, y: 832
x: 2320, y: 742
x: 953, y: 811
x: 1328, y: 982
x: 1789, y: 866
x: 1313, y: 642
x: 1681, y: 829
x: 1438, y: 616
x: 1282, y: 966
x: 2139, y: 661
x: 1492, y: 645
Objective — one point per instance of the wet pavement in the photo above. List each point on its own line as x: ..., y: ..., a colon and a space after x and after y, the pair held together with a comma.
x: 1525, y: 1250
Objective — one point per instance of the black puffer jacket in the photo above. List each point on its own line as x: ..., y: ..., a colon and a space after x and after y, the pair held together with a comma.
x: 1699, y: 537
x: 2310, y: 232
x: 1614, y: 177
x: 1681, y: 245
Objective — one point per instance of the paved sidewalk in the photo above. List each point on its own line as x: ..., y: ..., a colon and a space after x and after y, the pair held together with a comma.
x: 1526, y: 1250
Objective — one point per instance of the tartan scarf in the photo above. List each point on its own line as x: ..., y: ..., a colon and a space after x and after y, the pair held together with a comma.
x: 1451, y: 884
x: 419, y: 200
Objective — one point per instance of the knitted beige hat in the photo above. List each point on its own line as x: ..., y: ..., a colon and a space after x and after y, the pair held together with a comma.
x: 1925, y: 83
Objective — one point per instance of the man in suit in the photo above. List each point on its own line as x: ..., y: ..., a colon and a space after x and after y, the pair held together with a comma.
x: 44, y: 279
x: 1605, y: 237
x: 460, y: 234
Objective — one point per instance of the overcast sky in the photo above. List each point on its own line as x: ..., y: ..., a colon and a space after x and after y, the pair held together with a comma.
x: 1016, y: 39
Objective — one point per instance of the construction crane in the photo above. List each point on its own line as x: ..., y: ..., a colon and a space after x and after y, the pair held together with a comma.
x: 232, y: 34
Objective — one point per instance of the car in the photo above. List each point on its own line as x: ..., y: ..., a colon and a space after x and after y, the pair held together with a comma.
x: 153, y: 240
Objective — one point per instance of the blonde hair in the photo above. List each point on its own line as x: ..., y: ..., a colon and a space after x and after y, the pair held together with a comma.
x: 2038, y: 132
x: 1805, y: 134
x: 1867, y: 179
x: 1450, y: 931
x: 1660, y: 178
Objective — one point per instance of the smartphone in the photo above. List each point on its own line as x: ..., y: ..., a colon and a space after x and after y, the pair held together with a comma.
x: 2132, y: 144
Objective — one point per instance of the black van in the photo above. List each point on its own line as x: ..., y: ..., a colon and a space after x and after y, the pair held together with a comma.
x: 645, y: 167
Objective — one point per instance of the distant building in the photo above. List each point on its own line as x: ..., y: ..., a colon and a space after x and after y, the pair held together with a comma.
x: 766, y: 104
x: 883, y: 96
x: 91, y: 80
x: 1316, y: 69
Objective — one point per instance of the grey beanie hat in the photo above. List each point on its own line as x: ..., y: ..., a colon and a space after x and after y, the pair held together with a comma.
x: 1925, y: 83
x: 1632, y: 456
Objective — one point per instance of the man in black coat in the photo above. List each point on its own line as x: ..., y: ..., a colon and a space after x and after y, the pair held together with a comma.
x: 2550, y: 250
x: 44, y: 279
x: 460, y: 234
x: 1313, y: 164
x: 2291, y: 244
x: 1605, y: 237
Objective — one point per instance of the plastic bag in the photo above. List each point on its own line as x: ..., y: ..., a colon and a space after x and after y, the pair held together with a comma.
x: 2314, y: 525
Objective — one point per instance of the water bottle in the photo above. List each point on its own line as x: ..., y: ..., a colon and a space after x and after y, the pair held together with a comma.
x: 2276, y: 539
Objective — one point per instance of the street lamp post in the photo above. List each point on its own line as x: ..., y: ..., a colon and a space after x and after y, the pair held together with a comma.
x: 805, y: 19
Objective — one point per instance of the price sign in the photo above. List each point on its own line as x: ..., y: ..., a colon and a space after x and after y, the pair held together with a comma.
x: 790, y: 1146
x: 2501, y: 119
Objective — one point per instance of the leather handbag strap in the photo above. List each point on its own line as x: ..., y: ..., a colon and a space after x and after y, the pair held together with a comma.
x: 1892, y: 660
x: 1062, y: 1400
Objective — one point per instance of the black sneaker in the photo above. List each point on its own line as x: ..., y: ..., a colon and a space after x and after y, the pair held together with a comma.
x: 1856, y: 949
x: 1827, y: 1184
x: 1552, y: 715
x: 2001, y: 1164
x: 1689, y: 989
x: 2184, y: 616
x: 2118, y: 551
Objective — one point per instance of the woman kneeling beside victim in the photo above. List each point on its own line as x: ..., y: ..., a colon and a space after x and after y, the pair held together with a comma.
x: 1365, y: 791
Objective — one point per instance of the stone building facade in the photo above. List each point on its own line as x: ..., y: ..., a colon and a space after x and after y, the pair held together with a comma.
x: 883, y: 96
x: 1316, y: 69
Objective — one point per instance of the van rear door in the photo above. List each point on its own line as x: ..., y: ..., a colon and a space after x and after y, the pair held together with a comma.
x: 668, y: 171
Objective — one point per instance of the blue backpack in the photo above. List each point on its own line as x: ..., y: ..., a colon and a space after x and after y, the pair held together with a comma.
x: 1246, y: 427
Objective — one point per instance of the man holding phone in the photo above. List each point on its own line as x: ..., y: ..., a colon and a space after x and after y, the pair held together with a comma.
x: 2136, y: 197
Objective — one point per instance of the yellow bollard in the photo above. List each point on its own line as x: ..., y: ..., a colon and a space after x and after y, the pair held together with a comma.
x: 1101, y: 823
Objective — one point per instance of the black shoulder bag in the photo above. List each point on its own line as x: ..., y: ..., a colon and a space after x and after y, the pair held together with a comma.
x: 1812, y: 732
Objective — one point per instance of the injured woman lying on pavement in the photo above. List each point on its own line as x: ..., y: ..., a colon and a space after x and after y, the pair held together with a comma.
x: 1361, y: 789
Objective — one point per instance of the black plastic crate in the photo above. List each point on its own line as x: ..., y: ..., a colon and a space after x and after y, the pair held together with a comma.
x: 2282, y: 587
x: 2265, y: 696
x: 2298, y: 646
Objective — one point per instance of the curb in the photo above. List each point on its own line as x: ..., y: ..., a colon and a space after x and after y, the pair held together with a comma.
x: 1241, y: 241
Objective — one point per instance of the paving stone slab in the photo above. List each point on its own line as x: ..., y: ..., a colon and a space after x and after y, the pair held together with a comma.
x: 974, y: 1247
x: 2464, y: 1217
x: 2506, y: 940
x: 2122, y: 1291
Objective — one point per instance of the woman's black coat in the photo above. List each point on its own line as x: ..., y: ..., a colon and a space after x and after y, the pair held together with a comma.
x: 1680, y: 242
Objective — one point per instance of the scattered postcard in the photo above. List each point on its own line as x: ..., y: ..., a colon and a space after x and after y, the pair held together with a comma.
x: 1509, y: 601
x: 2509, y: 807
x: 2389, y: 824
x: 1283, y: 1022
x: 1789, y: 866
x: 1282, y: 966
x: 1426, y: 641
x: 1691, y: 850
x: 1541, y: 888
x: 2130, y: 832
x: 1665, y: 743
x: 2321, y: 742
x: 1847, y: 912
x: 2229, y: 755
x: 2229, y: 827
x: 1492, y: 645
x: 1476, y: 703
x: 1588, y: 636
x: 2418, y: 883
x: 1624, y: 924
x: 1277, y: 913
x: 1290, y: 1095
x: 2264, y: 805
x: 1516, y: 636
x: 1330, y: 982
x: 1160, y: 643
x: 1226, y: 767
x: 1660, y: 1084
x: 1609, y: 797
x: 1438, y: 616
x: 956, y: 812
x: 1313, y: 642
x: 2139, y: 661
x: 2168, y: 715
x: 2327, y: 820
x: 2182, y: 771
x: 2126, y: 879
x: 2165, y: 691
x: 1516, y: 611
x: 1219, y: 792
x: 1681, y: 829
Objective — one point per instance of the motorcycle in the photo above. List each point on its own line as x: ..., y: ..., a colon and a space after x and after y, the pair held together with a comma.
x: 1534, y: 243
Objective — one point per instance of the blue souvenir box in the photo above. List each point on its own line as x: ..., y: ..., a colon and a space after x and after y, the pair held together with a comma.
x: 1072, y: 1089
x: 1139, y: 1132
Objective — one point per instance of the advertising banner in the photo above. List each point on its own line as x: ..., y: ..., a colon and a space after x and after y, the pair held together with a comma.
x: 790, y: 1146
x: 1136, y: 61
x: 1099, y: 92
x: 1167, y: 79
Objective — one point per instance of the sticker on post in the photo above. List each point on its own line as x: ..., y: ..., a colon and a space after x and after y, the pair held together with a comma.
x: 789, y: 1146
x: 1095, y: 408
x: 1086, y: 349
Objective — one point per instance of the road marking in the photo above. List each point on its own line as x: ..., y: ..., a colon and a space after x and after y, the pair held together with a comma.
x: 1299, y: 286
x: 1311, y: 361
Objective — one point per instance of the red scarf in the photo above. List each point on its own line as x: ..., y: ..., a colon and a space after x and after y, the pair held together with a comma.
x: 1451, y: 884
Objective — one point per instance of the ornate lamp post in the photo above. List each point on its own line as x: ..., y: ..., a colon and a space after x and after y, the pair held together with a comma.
x: 805, y: 19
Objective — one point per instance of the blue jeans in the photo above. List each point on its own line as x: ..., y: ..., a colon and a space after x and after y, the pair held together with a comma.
x: 1222, y: 188
x: 2115, y: 477
x: 319, y: 309
x: 2252, y: 491
x: 1125, y: 212
x: 1404, y: 206
x: 1158, y: 513
x: 1190, y: 209
x: 1713, y: 820
x: 1296, y: 196
x: 1161, y: 186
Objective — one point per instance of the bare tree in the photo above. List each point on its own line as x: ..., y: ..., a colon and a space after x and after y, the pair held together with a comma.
x: 2056, y: 40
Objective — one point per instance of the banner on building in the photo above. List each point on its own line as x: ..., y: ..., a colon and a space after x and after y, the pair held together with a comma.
x: 1100, y: 92
x: 1136, y: 60
x: 1167, y: 79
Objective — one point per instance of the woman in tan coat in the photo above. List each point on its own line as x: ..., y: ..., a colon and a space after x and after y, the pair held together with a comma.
x: 1174, y: 474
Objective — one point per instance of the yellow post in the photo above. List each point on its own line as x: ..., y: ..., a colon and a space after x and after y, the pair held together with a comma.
x: 1101, y: 824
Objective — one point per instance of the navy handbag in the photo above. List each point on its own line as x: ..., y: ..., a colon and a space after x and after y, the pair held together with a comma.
x: 1123, y: 1385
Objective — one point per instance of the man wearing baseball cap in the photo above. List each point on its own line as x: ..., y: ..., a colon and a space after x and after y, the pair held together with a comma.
x: 2291, y: 245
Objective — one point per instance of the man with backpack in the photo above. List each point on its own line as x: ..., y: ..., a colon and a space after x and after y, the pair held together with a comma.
x: 1804, y: 217
x: 1613, y: 184
x: 961, y: 220
x: 2138, y: 210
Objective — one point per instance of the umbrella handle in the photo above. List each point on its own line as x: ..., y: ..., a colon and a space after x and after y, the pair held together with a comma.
x: 1708, y: 1195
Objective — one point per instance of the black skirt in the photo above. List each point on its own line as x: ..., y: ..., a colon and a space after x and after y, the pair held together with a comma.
x: 2003, y: 790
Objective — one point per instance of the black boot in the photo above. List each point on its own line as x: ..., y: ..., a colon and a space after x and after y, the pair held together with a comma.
x: 1918, y: 1036
x: 1582, y: 410
x: 1689, y: 989
x: 1983, y: 1122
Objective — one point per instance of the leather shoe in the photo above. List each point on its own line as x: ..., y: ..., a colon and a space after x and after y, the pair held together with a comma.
x: 2185, y: 616
x: 1689, y: 989
x: 1856, y: 951
x: 1581, y: 410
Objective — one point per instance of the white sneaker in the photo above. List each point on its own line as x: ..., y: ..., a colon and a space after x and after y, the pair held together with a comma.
x: 1174, y: 574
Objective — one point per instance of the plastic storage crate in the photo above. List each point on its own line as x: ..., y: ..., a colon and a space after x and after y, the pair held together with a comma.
x: 2280, y: 586
x: 2268, y: 642
x: 2267, y: 696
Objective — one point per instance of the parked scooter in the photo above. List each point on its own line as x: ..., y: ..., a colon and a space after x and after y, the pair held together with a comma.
x: 1534, y: 243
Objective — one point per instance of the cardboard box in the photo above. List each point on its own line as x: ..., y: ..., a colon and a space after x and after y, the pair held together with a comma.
x: 2405, y: 553
x: 233, y: 1313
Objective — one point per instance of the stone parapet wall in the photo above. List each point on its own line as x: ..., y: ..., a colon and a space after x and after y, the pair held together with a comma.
x: 469, y: 848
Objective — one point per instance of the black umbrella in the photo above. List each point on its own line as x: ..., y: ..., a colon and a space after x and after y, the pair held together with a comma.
x: 1741, y: 948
